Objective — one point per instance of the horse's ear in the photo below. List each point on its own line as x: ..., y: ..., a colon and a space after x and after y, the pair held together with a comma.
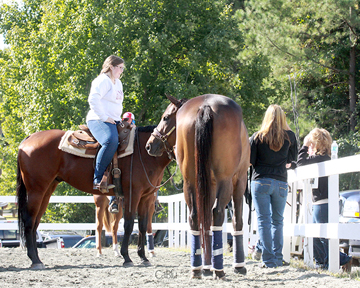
x: 173, y: 100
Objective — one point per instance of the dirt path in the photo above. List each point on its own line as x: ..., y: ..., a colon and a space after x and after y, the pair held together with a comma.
x: 170, y: 268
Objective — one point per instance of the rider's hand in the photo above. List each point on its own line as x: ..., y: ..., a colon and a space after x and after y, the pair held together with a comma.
x: 110, y: 120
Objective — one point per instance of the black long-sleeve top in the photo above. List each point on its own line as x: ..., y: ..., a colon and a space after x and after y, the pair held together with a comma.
x: 270, y: 164
x: 304, y: 159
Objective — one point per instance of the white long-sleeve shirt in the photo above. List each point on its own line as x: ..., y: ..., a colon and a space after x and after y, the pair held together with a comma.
x: 105, y: 99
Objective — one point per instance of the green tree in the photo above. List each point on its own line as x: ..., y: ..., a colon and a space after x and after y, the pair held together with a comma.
x: 185, y: 48
x: 317, y: 41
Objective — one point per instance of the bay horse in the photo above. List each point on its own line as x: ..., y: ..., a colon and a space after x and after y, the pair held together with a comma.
x: 42, y: 166
x: 213, y: 153
x: 111, y: 223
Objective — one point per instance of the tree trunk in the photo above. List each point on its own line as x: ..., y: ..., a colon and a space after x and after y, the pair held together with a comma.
x: 352, y: 92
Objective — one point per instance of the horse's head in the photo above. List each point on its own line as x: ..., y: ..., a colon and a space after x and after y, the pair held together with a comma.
x: 164, y: 137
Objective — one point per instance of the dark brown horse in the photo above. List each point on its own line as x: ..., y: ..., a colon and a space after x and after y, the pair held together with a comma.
x: 42, y: 166
x: 213, y: 152
x: 111, y: 223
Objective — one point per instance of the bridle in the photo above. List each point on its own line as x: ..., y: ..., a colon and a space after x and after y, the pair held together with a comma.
x: 164, y: 138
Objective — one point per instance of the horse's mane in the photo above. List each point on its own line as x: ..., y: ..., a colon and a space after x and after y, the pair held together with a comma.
x: 182, y: 101
x: 149, y: 128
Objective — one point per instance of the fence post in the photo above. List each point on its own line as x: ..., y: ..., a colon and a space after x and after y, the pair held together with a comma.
x: 176, y: 231
x: 307, y: 206
x: 287, y: 215
x: 245, y: 227
x: 333, y: 217
x: 171, y: 223
x: 182, y: 220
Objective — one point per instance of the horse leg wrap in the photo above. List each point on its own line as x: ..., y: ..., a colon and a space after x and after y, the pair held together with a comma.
x: 238, y: 249
x: 217, y: 248
x: 150, y: 241
x: 195, y: 250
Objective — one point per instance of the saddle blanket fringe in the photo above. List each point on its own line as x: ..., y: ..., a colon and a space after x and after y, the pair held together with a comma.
x: 66, y: 147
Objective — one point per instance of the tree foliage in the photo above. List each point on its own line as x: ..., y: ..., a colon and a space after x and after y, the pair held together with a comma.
x: 56, y: 48
x: 315, y: 41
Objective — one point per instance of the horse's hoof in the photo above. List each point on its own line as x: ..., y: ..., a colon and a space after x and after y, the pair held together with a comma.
x: 146, y: 263
x: 128, y: 264
x: 195, y: 274
x: 37, y: 266
x: 99, y: 255
x: 219, y: 275
x: 240, y: 270
x: 152, y: 254
x: 207, y: 272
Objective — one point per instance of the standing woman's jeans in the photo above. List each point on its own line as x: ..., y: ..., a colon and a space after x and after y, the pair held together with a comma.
x: 321, y: 245
x: 107, y: 135
x: 269, y: 197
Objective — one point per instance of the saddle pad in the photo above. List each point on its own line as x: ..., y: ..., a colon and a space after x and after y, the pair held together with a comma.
x: 66, y: 147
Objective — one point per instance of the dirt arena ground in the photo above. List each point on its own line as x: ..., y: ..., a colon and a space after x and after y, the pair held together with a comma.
x: 170, y: 268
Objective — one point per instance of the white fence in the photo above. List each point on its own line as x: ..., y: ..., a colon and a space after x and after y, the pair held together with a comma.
x: 332, y: 230
x: 177, y: 224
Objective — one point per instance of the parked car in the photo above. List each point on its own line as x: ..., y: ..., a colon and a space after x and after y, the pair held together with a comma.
x: 11, y: 238
x: 70, y: 238
x: 90, y: 241
x: 350, y: 213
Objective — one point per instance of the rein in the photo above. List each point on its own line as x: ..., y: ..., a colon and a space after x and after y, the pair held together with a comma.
x: 142, y: 163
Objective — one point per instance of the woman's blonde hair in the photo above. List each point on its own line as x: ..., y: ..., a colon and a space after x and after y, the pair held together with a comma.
x: 321, y: 140
x: 112, y: 60
x: 273, y: 128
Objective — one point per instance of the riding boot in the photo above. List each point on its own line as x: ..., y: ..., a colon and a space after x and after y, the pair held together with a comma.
x: 114, y: 205
x: 104, y: 186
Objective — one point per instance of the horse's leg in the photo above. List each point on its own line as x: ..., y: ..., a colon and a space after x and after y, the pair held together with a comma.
x: 238, y: 247
x: 114, y: 229
x: 100, y: 211
x: 33, y: 222
x: 223, y: 196
x: 195, y: 242
x: 128, y: 228
x: 143, y: 214
x: 149, y: 234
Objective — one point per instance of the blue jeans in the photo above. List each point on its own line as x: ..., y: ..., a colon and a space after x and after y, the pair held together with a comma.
x: 321, y: 245
x: 269, y: 196
x: 107, y: 135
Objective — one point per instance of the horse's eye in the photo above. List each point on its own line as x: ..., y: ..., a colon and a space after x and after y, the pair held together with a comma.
x: 166, y: 118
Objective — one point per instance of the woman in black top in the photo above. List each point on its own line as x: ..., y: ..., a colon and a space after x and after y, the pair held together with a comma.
x: 316, y: 149
x: 271, y: 149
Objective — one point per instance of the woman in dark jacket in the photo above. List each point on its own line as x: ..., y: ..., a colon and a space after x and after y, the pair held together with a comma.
x: 272, y: 147
x: 316, y: 149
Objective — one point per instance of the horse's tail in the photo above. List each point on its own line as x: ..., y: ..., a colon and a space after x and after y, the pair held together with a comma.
x: 21, y: 195
x: 203, y: 142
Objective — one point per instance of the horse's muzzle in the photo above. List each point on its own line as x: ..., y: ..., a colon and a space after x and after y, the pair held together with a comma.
x: 153, y: 149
